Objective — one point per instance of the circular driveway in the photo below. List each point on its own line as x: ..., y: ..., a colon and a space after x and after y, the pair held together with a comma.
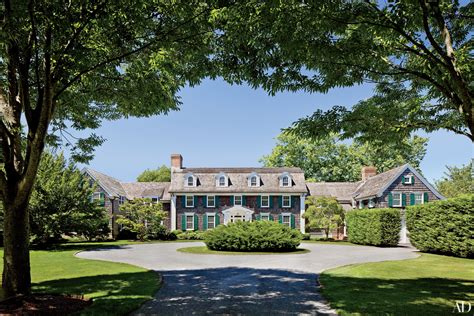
x: 241, y: 284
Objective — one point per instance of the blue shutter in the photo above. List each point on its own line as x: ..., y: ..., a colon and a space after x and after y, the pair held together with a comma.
x: 204, y: 201
x: 292, y: 221
x: 244, y: 200
x: 270, y: 217
x: 216, y: 201
x: 271, y: 201
x: 259, y: 201
x: 102, y: 199
x: 280, y: 219
x: 183, y: 200
x: 412, y: 198
x: 196, y: 200
x: 403, y: 179
x: 390, y: 200
x: 280, y: 201
x: 217, y: 219
x: 404, y: 199
x: 231, y: 200
x: 183, y: 222
x: 292, y: 201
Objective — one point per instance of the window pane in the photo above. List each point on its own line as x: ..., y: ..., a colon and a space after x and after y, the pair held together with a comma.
x: 265, y: 201
x: 210, y: 221
x: 286, y: 220
x: 189, y: 200
x: 286, y: 201
x: 265, y: 217
x: 253, y: 181
x: 211, y: 201
x: 189, y: 222
x: 238, y: 200
x: 397, y: 200
x: 285, y: 181
x: 190, y: 181
x: 418, y: 198
x: 222, y: 181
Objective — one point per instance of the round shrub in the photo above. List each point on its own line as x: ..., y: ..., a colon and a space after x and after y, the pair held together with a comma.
x: 444, y: 227
x: 253, y: 236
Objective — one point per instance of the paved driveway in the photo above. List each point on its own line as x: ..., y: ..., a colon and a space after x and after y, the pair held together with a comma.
x: 241, y: 284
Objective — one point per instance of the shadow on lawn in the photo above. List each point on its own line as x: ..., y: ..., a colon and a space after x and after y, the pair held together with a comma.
x: 240, y: 291
x: 423, y: 296
x: 112, y: 294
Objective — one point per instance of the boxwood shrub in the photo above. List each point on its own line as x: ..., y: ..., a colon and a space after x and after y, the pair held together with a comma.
x: 253, y: 236
x: 444, y: 227
x: 377, y: 227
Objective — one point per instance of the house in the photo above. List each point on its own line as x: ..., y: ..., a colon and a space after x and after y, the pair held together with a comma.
x: 202, y: 198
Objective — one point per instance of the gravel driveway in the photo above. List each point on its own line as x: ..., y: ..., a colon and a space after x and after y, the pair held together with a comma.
x: 240, y: 284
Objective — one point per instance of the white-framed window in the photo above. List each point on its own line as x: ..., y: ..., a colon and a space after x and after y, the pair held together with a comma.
x: 222, y: 182
x: 189, y: 221
x: 211, y: 201
x: 122, y: 200
x: 189, y: 201
x: 286, y: 219
x: 190, y: 181
x: 253, y: 181
x: 285, y: 181
x: 419, y: 198
x: 265, y: 216
x: 238, y: 200
x: 396, y: 199
x: 211, y: 220
x: 286, y: 201
x: 96, y: 196
x: 371, y: 203
x: 408, y: 179
x: 265, y: 201
x: 361, y: 205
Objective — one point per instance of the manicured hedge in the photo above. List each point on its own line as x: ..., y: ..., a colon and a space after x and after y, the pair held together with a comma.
x: 378, y: 227
x: 445, y: 227
x: 253, y: 236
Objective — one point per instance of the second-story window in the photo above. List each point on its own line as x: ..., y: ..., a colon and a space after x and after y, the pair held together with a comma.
x: 211, y: 201
x: 222, y: 181
x: 286, y: 201
x: 189, y: 201
x: 265, y: 201
x: 238, y: 200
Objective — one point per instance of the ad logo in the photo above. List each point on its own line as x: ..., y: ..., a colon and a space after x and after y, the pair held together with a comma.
x: 462, y: 307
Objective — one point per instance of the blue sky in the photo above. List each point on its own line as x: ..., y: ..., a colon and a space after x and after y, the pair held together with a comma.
x: 230, y: 126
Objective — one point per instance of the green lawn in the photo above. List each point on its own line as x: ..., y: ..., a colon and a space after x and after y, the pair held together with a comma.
x: 115, y: 288
x: 428, y: 285
x: 203, y: 250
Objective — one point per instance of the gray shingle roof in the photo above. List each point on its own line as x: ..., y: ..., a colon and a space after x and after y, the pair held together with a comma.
x: 111, y: 185
x: 342, y: 191
x: 146, y: 189
x: 372, y: 186
x: 237, y: 180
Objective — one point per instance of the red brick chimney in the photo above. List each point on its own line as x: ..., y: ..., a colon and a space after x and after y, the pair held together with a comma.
x: 176, y: 161
x: 368, y: 172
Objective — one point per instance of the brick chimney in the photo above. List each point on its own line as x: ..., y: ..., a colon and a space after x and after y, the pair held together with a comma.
x: 176, y: 162
x: 368, y: 172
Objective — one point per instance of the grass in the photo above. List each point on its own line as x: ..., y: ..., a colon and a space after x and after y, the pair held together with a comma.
x: 116, y: 288
x: 203, y: 250
x: 428, y: 285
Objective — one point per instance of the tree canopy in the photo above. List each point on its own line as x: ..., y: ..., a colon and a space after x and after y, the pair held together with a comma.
x: 417, y: 53
x: 162, y: 174
x: 323, y: 212
x: 457, y: 181
x: 329, y: 159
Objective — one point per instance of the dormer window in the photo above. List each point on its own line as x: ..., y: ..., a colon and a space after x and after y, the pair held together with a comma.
x: 254, y: 180
x: 190, y: 180
x: 222, y: 180
x: 285, y: 180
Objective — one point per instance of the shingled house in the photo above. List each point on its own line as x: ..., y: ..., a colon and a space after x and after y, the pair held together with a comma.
x: 202, y: 198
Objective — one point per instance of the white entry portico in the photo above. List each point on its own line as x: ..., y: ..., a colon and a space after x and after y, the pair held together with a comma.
x: 237, y: 213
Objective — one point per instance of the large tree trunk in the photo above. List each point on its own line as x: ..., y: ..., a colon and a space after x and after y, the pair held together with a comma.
x: 16, y: 258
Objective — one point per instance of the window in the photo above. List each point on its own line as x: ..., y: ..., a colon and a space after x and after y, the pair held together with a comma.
x: 211, y: 221
x: 222, y: 181
x: 396, y: 199
x: 238, y: 200
x: 286, y: 201
x: 189, y: 201
x: 211, y: 201
x: 99, y: 197
x: 265, y: 216
x: 286, y: 219
x: 189, y: 221
x: 361, y: 204
x: 285, y: 181
x: 418, y: 198
x: 253, y: 181
x: 265, y: 201
x: 408, y: 180
x: 190, y: 181
x: 122, y: 200
x: 371, y: 203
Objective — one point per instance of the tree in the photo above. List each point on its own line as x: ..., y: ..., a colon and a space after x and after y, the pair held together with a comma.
x: 418, y: 54
x: 142, y: 217
x: 331, y: 160
x: 323, y: 212
x: 68, y: 66
x: 457, y: 181
x: 162, y: 174
x: 61, y: 203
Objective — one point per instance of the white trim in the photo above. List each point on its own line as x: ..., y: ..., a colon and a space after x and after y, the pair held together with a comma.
x: 283, y: 217
x: 244, y: 211
x: 226, y: 180
x: 287, y: 176
x: 173, y: 212
x: 249, y: 180
x: 418, y: 175
x: 186, y: 214
x: 261, y: 201
x: 411, y: 181
x: 401, y: 197
x: 241, y: 200
x: 186, y: 201
x: 283, y: 201
x: 186, y: 182
x: 302, y: 210
x: 213, y: 214
x: 265, y: 214
x: 422, y: 197
x: 207, y: 201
